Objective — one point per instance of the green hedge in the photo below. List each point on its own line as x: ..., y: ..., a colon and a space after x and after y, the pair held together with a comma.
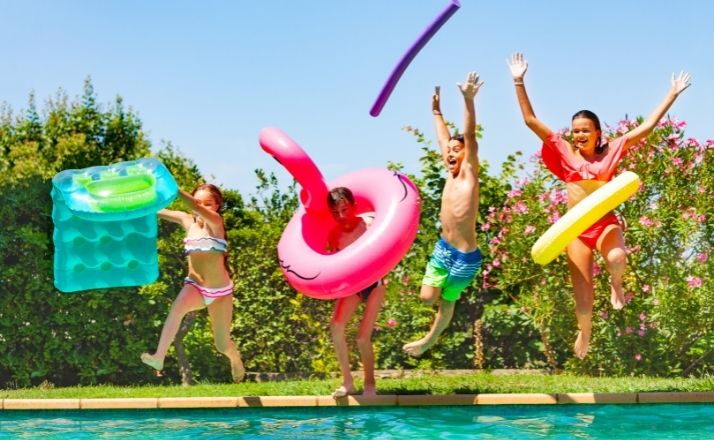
x: 516, y: 314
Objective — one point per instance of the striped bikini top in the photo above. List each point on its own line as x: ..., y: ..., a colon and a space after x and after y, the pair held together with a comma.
x: 205, y: 244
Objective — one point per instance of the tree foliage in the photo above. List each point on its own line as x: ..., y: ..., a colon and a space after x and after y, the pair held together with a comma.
x: 516, y: 314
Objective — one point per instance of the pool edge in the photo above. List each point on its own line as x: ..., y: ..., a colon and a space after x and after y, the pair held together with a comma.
x: 380, y: 400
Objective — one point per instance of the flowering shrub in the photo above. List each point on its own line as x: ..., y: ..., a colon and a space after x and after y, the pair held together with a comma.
x: 515, y: 314
x: 666, y: 325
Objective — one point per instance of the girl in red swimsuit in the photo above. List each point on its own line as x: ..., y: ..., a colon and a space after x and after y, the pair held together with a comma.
x: 585, y: 166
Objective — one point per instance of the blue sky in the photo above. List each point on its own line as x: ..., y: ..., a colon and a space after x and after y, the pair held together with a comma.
x: 208, y: 75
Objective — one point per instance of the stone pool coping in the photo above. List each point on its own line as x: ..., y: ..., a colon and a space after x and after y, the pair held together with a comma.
x: 381, y: 400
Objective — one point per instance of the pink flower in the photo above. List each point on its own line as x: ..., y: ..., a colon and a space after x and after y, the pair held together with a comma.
x: 638, y: 357
x: 596, y: 270
x: 655, y: 301
x: 643, y: 316
x: 641, y: 332
x: 644, y: 221
x: 646, y: 288
x: 520, y: 208
x: 628, y: 297
x: 633, y: 249
x: 703, y: 257
x: 391, y: 323
x: 677, y: 161
x: 405, y: 279
x: 554, y: 218
x: 486, y: 226
x: 693, y: 282
x: 689, y: 213
x: 514, y: 193
x: 604, y: 314
x: 529, y: 230
x: 618, y: 333
x: 628, y: 330
x: 496, y: 263
x: 558, y: 197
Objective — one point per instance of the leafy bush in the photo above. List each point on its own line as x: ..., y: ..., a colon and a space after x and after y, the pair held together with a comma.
x: 516, y: 313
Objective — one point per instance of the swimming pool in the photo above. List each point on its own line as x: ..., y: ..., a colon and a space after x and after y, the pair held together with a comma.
x: 654, y: 421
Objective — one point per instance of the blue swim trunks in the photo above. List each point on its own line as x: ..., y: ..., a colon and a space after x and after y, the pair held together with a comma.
x: 451, y: 269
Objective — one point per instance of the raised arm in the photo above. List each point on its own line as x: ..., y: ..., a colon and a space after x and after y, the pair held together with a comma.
x: 519, y: 66
x: 442, y: 131
x: 469, y: 91
x: 182, y: 218
x: 679, y: 84
x: 212, y: 218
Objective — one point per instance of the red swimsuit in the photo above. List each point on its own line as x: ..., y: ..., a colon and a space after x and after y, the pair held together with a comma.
x: 560, y: 160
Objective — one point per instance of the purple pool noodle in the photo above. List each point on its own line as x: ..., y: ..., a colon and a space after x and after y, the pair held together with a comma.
x: 410, y: 54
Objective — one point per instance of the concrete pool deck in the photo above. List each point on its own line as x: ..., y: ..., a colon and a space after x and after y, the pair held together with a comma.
x: 380, y: 400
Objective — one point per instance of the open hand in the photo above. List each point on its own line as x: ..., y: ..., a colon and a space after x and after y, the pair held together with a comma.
x: 680, y: 82
x: 471, y: 87
x: 518, y: 66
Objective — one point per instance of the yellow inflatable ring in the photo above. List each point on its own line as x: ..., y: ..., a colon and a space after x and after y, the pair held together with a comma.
x: 583, y: 215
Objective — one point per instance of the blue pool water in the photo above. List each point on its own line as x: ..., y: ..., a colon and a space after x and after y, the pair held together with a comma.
x: 649, y: 422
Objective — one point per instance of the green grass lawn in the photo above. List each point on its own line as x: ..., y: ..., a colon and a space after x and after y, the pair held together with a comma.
x: 481, y: 382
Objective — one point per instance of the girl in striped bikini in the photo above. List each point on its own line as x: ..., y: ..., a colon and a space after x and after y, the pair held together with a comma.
x: 208, y: 283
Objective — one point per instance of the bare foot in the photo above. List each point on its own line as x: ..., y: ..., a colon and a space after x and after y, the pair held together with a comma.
x: 617, y: 296
x: 151, y: 361
x: 343, y: 391
x: 416, y: 348
x: 369, y: 391
x: 237, y: 371
x: 582, y: 343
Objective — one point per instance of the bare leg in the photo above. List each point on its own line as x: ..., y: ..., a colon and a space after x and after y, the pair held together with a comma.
x: 364, y: 338
x: 220, y: 312
x: 580, y: 261
x: 443, y: 317
x: 187, y: 300
x: 611, y: 245
x: 344, y: 308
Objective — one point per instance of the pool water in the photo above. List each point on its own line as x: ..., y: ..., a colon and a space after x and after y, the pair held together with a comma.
x: 651, y: 422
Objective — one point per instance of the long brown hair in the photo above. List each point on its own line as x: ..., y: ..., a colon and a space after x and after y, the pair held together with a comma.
x: 587, y: 114
x: 215, y: 192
